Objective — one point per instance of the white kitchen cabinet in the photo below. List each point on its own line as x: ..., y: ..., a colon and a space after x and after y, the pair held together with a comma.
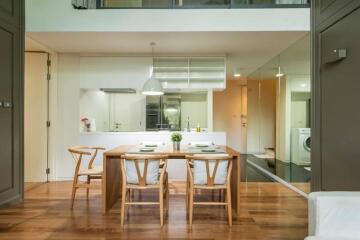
x: 191, y: 72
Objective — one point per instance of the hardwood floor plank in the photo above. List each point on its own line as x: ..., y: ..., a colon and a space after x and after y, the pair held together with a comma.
x: 268, y: 211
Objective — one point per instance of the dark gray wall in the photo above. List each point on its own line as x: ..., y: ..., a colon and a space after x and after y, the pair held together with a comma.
x: 335, y: 95
x: 11, y: 101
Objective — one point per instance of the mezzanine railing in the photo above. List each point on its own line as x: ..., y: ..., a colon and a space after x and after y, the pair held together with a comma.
x: 193, y: 4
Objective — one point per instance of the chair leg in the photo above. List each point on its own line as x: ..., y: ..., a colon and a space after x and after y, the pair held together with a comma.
x: 229, y: 208
x: 225, y: 199
x: 87, y: 189
x: 191, y: 205
x: 167, y: 194
x: 130, y: 194
x: 73, y: 197
x: 161, y: 199
x: 123, y: 201
x: 74, y: 188
x: 187, y: 195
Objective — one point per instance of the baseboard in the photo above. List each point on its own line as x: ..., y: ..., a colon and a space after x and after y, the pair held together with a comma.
x: 12, y: 201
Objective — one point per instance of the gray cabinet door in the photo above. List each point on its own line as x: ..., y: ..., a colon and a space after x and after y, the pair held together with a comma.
x: 327, y: 8
x: 340, y: 105
x: 11, y: 109
x: 10, y: 11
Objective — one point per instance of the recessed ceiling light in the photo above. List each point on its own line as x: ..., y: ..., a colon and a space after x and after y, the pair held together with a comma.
x: 237, y: 75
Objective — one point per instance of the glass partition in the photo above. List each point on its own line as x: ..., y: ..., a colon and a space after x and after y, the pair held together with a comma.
x: 135, y: 4
x: 104, y: 4
x: 279, y: 115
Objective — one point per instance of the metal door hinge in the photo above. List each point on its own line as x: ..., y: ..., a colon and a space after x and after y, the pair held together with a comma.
x: 48, y: 62
x: 48, y: 76
x: 48, y: 171
x: 48, y: 124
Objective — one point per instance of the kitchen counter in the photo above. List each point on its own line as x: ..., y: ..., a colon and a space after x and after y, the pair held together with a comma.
x: 113, y: 139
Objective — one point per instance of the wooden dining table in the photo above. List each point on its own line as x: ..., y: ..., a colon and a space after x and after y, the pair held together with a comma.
x: 111, y: 181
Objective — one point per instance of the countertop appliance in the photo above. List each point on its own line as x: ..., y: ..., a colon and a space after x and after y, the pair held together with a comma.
x: 163, y: 112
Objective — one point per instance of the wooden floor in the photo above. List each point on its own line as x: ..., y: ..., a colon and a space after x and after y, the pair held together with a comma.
x: 269, y: 211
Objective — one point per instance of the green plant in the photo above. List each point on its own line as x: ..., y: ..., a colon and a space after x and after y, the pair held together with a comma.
x: 176, y: 137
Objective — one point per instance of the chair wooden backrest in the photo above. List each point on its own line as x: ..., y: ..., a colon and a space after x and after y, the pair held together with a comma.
x: 146, y: 158
x: 207, y: 158
x: 79, y: 151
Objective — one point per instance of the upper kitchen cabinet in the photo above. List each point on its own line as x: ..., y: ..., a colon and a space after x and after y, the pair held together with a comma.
x: 10, y: 12
x: 191, y: 72
x: 172, y: 72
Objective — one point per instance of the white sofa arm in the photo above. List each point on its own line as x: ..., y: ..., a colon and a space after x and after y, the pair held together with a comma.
x: 334, y: 215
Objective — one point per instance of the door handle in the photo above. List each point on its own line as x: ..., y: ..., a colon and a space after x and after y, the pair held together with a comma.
x: 336, y: 55
x: 1, y: 104
x: 7, y: 104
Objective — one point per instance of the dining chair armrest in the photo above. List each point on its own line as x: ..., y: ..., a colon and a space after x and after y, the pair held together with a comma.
x: 163, y: 171
x: 189, y: 165
x: 79, y: 151
x: 98, y: 148
x: 94, y: 155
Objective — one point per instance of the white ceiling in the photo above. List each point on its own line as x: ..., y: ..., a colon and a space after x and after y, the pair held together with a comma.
x: 244, y: 50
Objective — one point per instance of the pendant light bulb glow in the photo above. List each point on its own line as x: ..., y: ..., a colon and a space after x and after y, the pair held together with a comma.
x: 237, y: 73
x: 152, y: 87
x: 279, y: 73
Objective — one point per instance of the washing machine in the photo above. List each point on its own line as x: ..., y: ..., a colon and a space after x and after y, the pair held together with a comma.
x: 300, y: 146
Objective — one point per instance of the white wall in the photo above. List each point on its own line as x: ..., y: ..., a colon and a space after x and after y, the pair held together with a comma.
x: 194, y: 105
x: 128, y: 110
x: 59, y: 16
x: 114, y: 72
x: 95, y: 105
x: 68, y: 114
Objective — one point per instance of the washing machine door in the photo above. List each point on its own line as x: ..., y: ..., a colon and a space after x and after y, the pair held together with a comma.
x: 307, y: 144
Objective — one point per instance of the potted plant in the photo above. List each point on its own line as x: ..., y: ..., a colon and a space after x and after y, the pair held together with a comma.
x: 176, y: 139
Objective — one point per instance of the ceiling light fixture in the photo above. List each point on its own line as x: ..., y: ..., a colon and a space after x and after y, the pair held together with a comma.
x: 237, y: 73
x: 152, y: 86
x: 279, y: 74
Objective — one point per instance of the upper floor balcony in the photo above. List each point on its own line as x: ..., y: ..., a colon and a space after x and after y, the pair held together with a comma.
x: 119, y: 16
x: 189, y: 4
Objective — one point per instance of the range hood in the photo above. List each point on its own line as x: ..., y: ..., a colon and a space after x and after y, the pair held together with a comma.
x: 118, y: 90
